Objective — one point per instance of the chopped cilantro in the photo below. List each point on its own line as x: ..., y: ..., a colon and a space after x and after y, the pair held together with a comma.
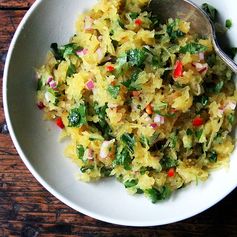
x: 39, y: 84
x: 189, y: 132
x: 193, y: 48
x: 210, y: 10
x: 168, y: 163
x: 131, y: 83
x: 218, y: 87
x: 131, y: 183
x: 173, y: 31
x: 71, y: 70
x: 85, y: 168
x: 231, y: 118
x: 80, y: 151
x: 105, y: 171
x: 61, y: 53
x: 113, y: 91
x: 134, y: 15
x: 136, y: 57
x: 128, y: 141
x: 212, y: 156
x: 77, y: 116
x: 228, y: 23
x: 123, y: 158
x: 158, y: 194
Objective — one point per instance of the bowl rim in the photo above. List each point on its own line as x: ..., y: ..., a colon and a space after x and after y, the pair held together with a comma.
x: 44, y: 183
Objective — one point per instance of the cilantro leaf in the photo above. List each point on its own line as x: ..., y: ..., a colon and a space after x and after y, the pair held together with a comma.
x: 136, y: 57
x: 123, y: 158
x: 129, y: 141
x: 80, y: 151
x: 134, y: 15
x: 228, y: 23
x: 193, y: 48
x: 168, y: 163
x: 131, y: 183
x: 113, y: 91
x: 158, y: 194
x: 77, y: 116
x: 71, y: 70
x: 62, y: 52
x: 131, y: 83
x: 173, y: 31
x: 210, y: 10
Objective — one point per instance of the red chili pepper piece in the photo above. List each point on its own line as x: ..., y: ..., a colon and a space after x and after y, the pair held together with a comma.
x: 110, y: 68
x: 198, y: 121
x: 171, y: 172
x: 178, y: 70
x: 138, y: 22
x: 59, y: 123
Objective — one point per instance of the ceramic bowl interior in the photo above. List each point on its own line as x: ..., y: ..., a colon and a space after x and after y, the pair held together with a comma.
x: 37, y: 140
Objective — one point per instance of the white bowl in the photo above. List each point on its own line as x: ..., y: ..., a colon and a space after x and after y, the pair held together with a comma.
x: 37, y: 141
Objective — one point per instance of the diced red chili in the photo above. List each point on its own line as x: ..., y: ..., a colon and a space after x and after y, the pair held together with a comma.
x: 198, y: 121
x: 171, y: 172
x: 59, y: 123
x: 138, y: 22
x: 178, y: 70
x: 110, y: 68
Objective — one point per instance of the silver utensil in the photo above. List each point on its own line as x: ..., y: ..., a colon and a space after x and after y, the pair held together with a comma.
x: 200, y: 21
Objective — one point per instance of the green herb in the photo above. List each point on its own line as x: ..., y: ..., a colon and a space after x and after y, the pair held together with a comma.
x: 123, y: 158
x: 204, y: 100
x: 131, y: 83
x: 144, y: 141
x: 172, y: 30
x: 218, y: 87
x: 189, y: 132
x: 80, y: 152
x: 114, y: 91
x: 210, y: 10
x: 139, y: 191
x: 85, y: 168
x: 193, y: 48
x: 155, y: 21
x: 212, y: 156
x: 77, y: 116
x: 71, y: 70
x: 198, y: 134
x: 231, y: 118
x: 156, y: 61
x: 136, y: 57
x: 105, y: 171
x: 131, y: 183
x: 168, y: 163
x: 39, y: 84
x: 121, y: 24
x: 134, y: 15
x: 228, y: 23
x: 129, y: 141
x: 102, y: 124
x: 61, y: 53
x: 122, y: 64
x: 158, y: 194
x: 172, y: 140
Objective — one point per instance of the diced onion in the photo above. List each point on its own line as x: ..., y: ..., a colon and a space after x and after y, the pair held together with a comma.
x: 90, y: 85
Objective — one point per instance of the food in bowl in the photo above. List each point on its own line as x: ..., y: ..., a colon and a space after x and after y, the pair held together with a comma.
x: 145, y: 102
